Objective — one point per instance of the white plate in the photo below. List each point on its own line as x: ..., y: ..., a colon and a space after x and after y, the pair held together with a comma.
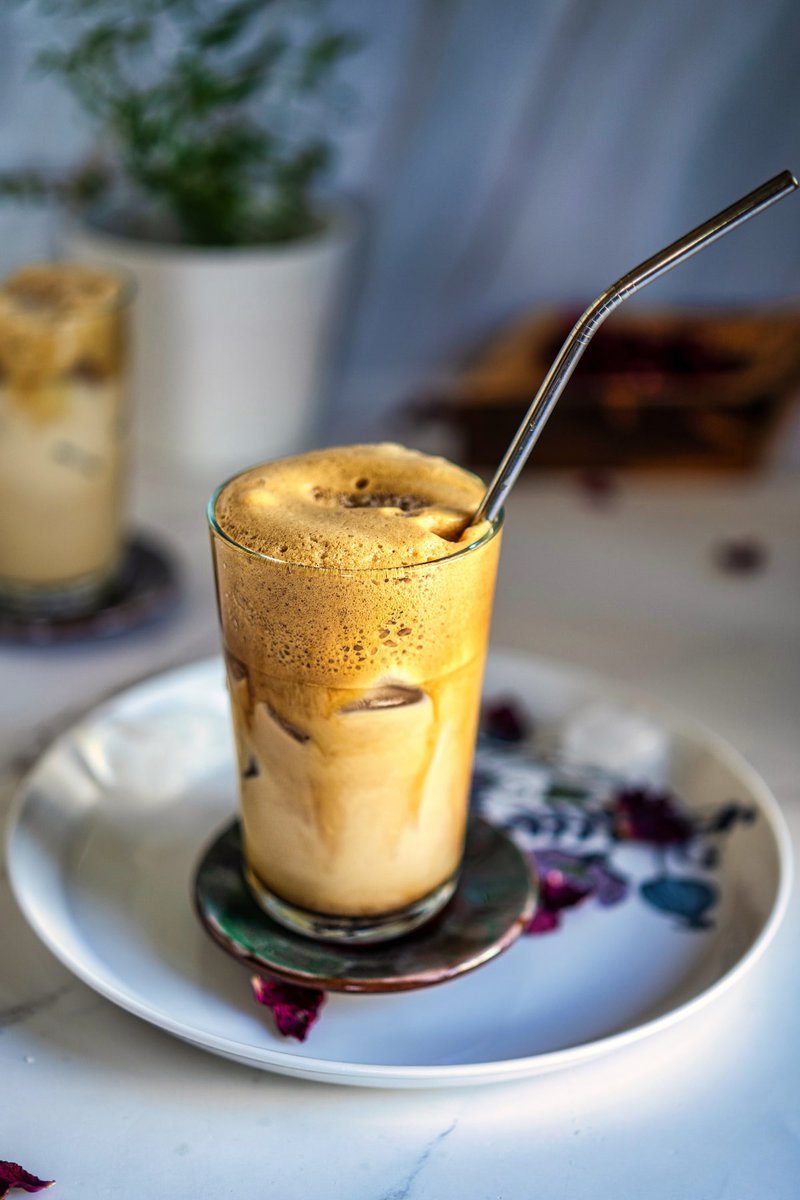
x: 108, y: 827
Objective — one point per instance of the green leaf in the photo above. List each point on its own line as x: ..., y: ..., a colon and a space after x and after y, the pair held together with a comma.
x: 569, y: 792
x: 323, y: 55
x: 258, y: 62
x: 27, y: 184
x: 229, y: 26
x: 205, y: 107
x: 300, y: 169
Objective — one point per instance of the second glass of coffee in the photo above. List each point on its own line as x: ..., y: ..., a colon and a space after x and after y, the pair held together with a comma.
x: 355, y: 618
x: 63, y: 423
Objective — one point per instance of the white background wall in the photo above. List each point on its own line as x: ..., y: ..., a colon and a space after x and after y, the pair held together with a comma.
x: 511, y: 151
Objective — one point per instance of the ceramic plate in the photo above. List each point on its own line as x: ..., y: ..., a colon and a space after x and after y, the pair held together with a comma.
x: 108, y: 828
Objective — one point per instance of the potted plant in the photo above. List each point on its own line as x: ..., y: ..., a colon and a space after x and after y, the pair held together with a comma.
x: 213, y: 126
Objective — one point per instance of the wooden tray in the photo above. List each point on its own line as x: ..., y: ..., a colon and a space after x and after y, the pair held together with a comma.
x: 688, y: 389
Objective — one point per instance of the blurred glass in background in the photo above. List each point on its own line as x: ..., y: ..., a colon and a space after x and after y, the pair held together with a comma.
x: 63, y: 427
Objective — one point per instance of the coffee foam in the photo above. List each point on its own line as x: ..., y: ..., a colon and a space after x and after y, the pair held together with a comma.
x: 52, y: 290
x: 60, y: 324
x: 353, y: 507
x: 351, y: 627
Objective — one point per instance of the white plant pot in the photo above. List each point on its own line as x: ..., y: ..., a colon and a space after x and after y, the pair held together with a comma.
x: 232, y: 348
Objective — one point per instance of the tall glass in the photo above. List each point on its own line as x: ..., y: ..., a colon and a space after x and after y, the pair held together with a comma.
x: 63, y: 421
x: 355, y: 697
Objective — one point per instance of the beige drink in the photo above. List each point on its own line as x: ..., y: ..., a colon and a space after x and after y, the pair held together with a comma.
x: 62, y: 399
x: 355, y: 619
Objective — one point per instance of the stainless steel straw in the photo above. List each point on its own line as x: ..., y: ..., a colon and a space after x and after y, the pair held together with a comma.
x: 556, y: 379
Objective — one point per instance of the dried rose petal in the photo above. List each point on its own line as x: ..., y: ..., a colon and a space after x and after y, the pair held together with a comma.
x: 543, y: 921
x: 295, y: 1008
x: 640, y: 815
x: 12, y: 1175
x: 505, y: 719
x: 563, y: 883
x: 564, y: 879
x: 568, y: 879
x: 597, y: 485
x: 559, y: 891
x: 740, y: 555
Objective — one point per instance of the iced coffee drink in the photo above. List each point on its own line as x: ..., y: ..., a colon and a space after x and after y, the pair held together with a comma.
x: 355, y: 614
x: 62, y: 427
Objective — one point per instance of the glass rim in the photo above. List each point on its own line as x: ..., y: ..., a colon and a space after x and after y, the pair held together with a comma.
x: 126, y: 280
x: 495, y: 526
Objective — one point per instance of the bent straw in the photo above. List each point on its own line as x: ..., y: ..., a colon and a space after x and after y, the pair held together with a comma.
x: 556, y: 379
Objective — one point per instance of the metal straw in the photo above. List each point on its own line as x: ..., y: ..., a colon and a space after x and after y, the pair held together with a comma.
x: 556, y: 379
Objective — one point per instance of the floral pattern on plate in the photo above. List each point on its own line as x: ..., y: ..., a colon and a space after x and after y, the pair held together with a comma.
x: 574, y: 820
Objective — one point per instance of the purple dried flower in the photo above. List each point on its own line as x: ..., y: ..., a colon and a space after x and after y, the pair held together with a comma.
x: 598, y: 486
x: 12, y: 1175
x: 543, y: 921
x: 568, y: 879
x: 295, y: 1008
x: 563, y: 879
x: 644, y: 815
x: 740, y: 555
x: 505, y: 719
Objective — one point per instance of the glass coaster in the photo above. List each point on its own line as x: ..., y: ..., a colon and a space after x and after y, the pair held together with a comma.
x: 492, y: 904
x: 144, y: 588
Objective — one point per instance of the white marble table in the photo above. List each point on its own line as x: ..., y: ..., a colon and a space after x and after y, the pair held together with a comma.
x: 113, y: 1108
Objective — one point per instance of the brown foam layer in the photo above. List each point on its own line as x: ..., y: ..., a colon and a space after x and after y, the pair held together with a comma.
x: 356, y: 507
x: 60, y: 324
x: 51, y: 290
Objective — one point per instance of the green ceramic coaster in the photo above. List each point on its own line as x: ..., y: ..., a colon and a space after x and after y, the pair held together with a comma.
x: 494, y: 901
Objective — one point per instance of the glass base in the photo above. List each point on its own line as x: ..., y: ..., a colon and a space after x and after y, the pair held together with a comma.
x: 352, y: 931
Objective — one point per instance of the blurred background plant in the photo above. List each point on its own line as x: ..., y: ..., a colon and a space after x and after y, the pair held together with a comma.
x: 214, y: 123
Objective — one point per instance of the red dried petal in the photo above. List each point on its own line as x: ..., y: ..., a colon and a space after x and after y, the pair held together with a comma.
x: 566, y: 880
x: 598, y: 486
x: 295, y: 1008
x: 12, y: 1175
x: 543, y: 921
x: 740, y: 555
x: 559, y: 891
x: 641, y: 815
x: 504, y: 718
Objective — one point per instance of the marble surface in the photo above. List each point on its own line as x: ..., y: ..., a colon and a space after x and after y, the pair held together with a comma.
x: 111, y: 1107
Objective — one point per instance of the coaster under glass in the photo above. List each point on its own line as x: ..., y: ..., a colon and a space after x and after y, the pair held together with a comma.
x: 493, y: 901
x: 143, y: 588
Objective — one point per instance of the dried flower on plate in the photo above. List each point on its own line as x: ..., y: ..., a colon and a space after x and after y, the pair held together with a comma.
x: 295, y: 1008
x: 599, y: 487
x: 12, y: 1175
x: 505, y: 719
x: 644, y: 815
x: 566, y: 880
x: 740, y: 555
